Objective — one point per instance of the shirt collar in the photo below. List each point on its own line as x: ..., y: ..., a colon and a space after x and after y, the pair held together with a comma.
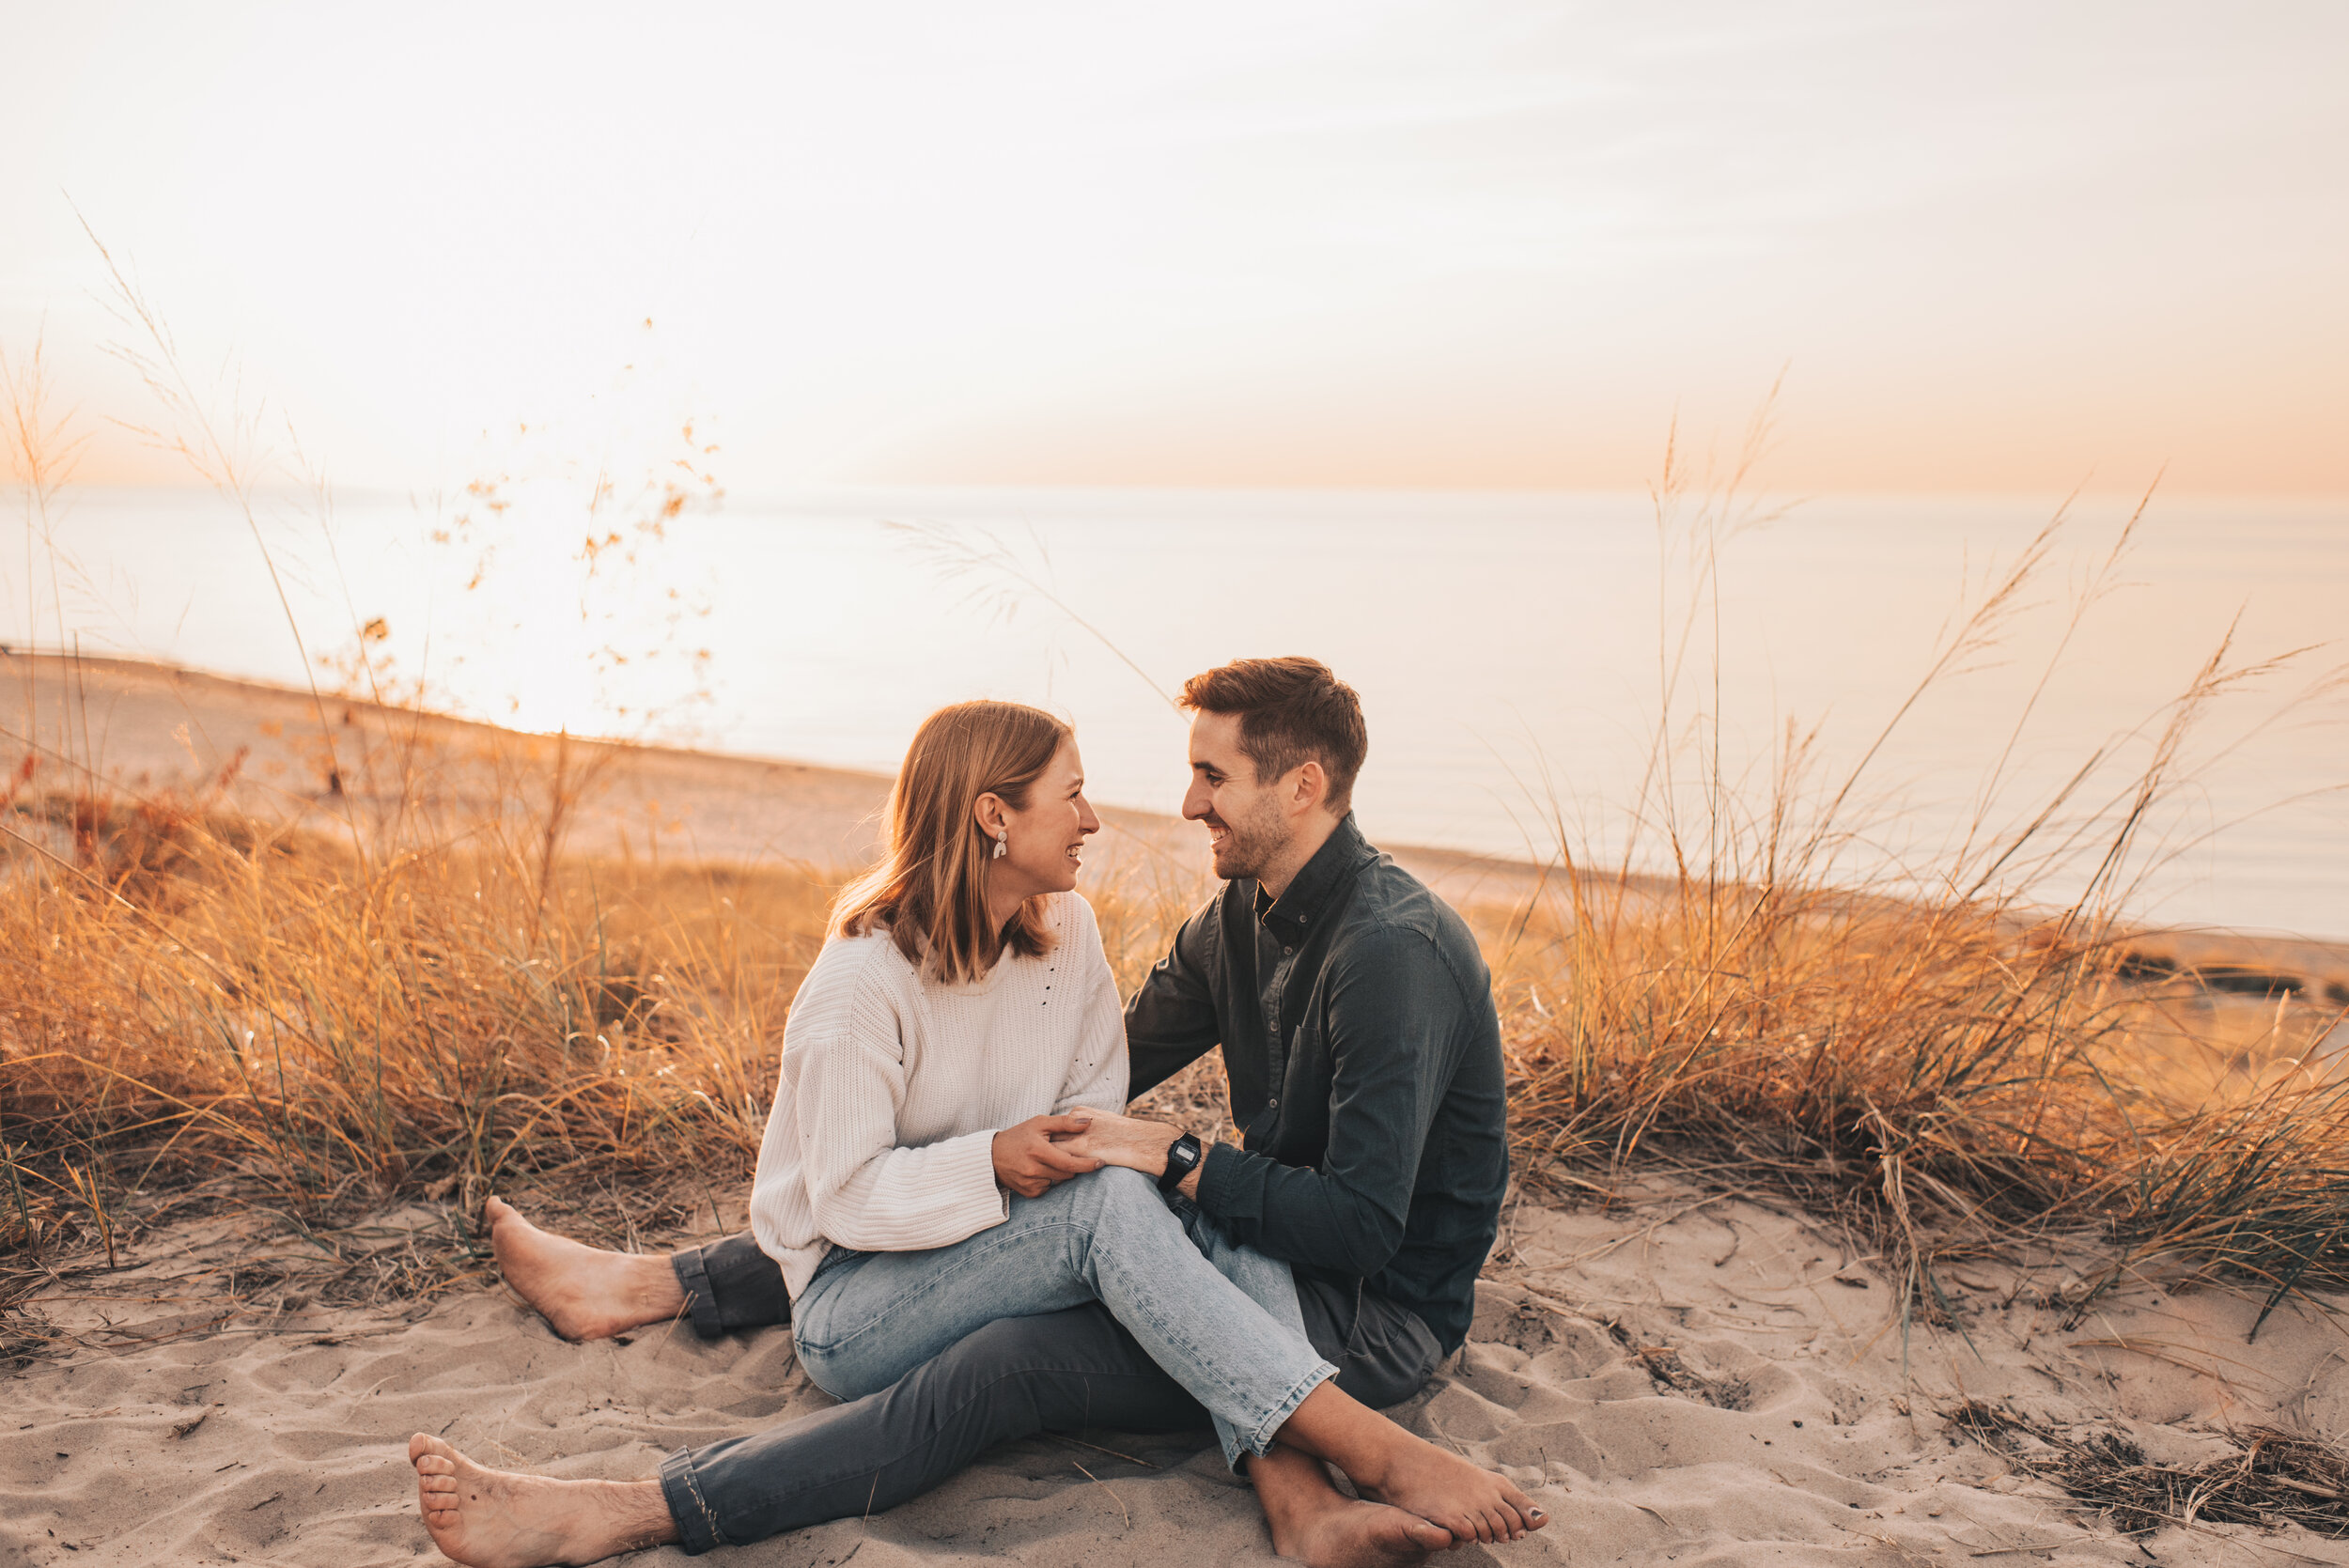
x: 1309, y: 893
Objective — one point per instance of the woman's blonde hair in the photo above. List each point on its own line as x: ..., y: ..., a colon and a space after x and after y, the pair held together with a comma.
x: 929, y: 891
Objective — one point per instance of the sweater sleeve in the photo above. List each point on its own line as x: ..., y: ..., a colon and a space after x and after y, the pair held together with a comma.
x: 1098, y: 1070
x: 866, y: 1192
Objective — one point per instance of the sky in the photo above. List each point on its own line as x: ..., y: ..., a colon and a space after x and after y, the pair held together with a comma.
x: 1992, y: 247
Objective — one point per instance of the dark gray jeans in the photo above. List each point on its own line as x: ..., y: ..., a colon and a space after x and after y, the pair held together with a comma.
x: 1059, y: 1372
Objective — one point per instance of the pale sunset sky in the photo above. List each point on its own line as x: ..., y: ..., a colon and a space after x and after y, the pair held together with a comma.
x: 2002, y: 247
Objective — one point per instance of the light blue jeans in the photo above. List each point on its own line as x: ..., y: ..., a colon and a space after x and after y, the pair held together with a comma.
x: 1221, y: 1318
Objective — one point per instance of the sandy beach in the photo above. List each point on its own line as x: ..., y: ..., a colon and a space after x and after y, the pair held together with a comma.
x: 1679, y: 1377
x: 1678, y: 1374
x: 292, y: 755
x: 1755, y: 593
x: 150, y: 728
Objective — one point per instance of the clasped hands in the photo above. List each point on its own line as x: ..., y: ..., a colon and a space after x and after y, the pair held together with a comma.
x: 1032, y: 1155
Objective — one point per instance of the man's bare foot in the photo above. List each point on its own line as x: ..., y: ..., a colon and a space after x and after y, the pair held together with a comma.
x: 584, y: 1291
x: 496, y: 1519
x: 1435, y: 1483
x: 1411, y: 1473
x: 1315, y: 1523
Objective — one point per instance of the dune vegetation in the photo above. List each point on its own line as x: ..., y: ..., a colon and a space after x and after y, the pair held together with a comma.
x: 376, y: 995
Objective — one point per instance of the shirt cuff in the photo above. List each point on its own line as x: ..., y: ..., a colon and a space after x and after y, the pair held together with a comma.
x: 1218, y: 1178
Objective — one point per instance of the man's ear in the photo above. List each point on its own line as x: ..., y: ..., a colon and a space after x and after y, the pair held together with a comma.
x: 1313, y: 784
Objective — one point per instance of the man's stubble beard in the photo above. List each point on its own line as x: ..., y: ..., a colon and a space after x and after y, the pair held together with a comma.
x: 1255, y: 841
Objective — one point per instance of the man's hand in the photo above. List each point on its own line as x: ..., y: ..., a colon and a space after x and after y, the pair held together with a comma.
x: 1127, y: 1141
x: 1032, y: 1154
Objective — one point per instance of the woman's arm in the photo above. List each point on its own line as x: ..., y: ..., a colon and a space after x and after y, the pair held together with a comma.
x: 847, y: 1079
x: 1098, y: 1069
x: 866, y: 1192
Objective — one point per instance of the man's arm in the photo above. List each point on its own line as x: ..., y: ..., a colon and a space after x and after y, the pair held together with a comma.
x: 1394, y: 1016
x: 1171, y: 1022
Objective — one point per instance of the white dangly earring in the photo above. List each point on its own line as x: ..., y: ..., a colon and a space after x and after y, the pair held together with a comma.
x: 1003, y: 844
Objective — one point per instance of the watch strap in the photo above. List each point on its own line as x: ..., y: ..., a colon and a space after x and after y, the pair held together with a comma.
x: 1182, y: 1159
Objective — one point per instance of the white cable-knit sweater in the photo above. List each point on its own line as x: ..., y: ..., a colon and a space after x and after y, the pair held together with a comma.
x: 893, y: 1086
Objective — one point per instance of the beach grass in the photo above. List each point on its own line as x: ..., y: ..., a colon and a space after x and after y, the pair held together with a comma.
x: 335, y: 1014
x: 401, y: 988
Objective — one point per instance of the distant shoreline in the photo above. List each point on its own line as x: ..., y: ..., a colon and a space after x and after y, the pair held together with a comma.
x: 160, y: 724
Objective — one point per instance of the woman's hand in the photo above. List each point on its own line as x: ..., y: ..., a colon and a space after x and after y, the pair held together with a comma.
x: 1028, y: 1161
x: 1127, y: 1141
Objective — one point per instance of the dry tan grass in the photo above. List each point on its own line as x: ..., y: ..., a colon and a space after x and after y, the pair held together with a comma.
x: 400, y: 1000
x: 184, y: 994
x: 1947, y: 1078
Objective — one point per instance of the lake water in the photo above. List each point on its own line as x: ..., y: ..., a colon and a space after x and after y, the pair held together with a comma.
x: 1506, y: 647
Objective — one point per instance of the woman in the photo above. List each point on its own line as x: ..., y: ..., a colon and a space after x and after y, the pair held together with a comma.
x: 960, y: 1018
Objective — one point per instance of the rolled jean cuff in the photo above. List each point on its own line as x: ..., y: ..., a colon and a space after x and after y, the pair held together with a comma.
x: 696, y: 1526
x: 1261, y: 1438
x: 701, y: 1302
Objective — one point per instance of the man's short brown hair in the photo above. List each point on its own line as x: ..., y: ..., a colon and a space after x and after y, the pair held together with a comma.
x: 1290, y: 710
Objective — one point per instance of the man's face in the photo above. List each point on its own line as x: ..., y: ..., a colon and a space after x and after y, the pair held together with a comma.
x: 1247, y: 826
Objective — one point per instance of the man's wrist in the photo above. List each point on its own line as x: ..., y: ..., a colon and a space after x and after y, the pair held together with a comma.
x: 1188, y: 1185
x: 1151, y: 1141
x: 1180, y: 1160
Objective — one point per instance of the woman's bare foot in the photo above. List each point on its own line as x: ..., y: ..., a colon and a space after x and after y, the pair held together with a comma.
x: 496, y: 1519
x: 1314, y: 1522
x: 584, y: 1291
x: 1473, y: 1504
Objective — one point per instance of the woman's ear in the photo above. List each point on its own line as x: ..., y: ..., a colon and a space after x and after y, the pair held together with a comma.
x: 989, y: 813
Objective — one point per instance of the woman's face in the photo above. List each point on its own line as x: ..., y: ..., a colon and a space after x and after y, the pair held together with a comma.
x: 1042, y: 854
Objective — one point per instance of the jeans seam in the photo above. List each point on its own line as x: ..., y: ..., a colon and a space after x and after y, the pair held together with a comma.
x: 1082, y: 1232
x: 1261, y: 1438
x: 682, y: 1461
x: 927, y: 1285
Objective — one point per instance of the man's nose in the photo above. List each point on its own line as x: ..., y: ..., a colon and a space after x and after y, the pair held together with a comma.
x: 1195, y: 803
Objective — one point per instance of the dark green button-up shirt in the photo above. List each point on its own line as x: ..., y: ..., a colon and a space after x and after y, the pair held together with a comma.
x: 1357, y: 1022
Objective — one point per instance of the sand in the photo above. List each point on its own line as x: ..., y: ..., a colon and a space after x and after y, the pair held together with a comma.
x: 1678, y: 1378
x: 150, y: 728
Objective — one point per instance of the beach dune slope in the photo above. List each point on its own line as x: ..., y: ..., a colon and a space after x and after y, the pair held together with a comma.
x: 1680, y: 1379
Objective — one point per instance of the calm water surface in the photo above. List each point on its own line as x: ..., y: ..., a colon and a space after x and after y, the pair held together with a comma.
x: 1506, y: 648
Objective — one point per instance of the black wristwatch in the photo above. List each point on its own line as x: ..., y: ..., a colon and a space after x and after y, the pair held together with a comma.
x: 1182, y: 1159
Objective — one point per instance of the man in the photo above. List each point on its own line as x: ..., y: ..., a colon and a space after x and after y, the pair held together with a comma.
x: 1357, y: 1028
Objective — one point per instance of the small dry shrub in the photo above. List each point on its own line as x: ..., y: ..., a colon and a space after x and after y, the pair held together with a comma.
x: 2271, y: 1480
